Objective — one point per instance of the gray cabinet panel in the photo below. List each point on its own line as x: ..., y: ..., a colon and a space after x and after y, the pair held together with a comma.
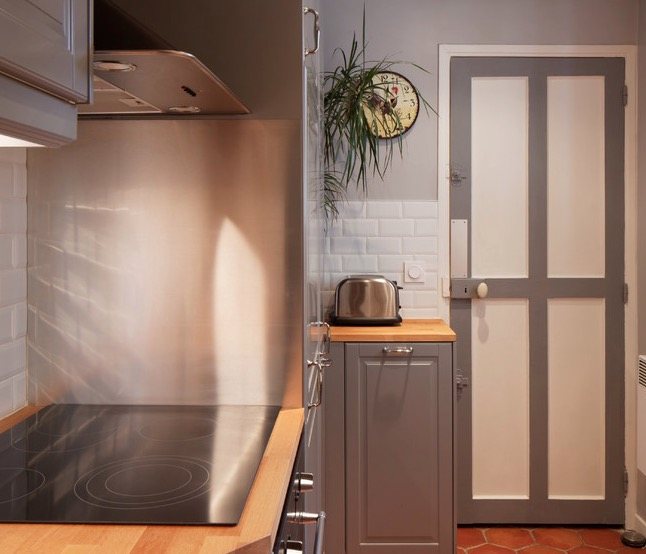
x: 398, y: 448
x: 45, y: 43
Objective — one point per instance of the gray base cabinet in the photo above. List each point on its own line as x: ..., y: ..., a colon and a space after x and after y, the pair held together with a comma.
x: 389, y: 449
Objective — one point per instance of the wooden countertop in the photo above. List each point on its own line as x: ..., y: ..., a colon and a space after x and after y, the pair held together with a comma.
x: 255, y: 534
x: 411, y: 330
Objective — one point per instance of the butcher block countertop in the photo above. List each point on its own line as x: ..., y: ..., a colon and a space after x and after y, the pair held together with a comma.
x: 254, y: 534
x: 411, y: 330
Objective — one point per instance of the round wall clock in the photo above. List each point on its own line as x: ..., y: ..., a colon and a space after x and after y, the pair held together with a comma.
x: 393, y: 106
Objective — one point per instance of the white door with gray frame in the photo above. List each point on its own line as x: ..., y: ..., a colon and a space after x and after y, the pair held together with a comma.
x: 537, y: 287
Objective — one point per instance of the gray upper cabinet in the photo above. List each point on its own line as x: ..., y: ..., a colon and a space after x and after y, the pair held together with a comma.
x: 46, y: 44
x: 398, y: 448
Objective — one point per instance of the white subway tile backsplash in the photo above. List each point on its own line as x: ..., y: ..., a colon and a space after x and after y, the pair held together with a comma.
x: 19, y: 251
x: 19, y: 390
x: 347, y: 245
x: 426, y: 227
x: 20, y: 180
x: 419, y: 245
x: 335, y: 228
x: 386, y: 245
x: 333, y: 264
x: 6, y: 324
x: 360, y: 227
x: 19, y: 323
x: 384, y: 210
x: 13, y: 278
x: 352, y: 209
x: 427, y: 298
x: 6, y: 251
x: 6, y: 397
x: 13, y: 286
x: 12, y: 358
x: 13, y: 215
x: 6, y: 179
x: 396, y: 228
x: 360, y: 264
x: 430, y: 261
x: 419, y: 313
x: 378, y: 236
x: 392, y: 263
x: 420, y: 210
x: 406, y: 299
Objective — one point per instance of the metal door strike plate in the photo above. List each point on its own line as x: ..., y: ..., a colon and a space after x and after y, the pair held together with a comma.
x: 464, y: 288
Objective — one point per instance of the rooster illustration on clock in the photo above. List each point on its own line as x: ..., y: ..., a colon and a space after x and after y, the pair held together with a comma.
x: 393, y: 105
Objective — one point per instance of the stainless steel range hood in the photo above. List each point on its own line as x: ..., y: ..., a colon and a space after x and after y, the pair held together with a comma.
x: 138, y: 72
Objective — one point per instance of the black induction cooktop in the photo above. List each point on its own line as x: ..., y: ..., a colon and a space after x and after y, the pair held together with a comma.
x: 132, y: 464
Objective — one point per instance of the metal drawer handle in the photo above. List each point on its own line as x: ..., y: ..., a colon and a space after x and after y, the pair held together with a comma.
x: 319, y: 384
x: 320, y: 534
x: 398, y: 350
x: 307, y: 518
x: 317, y: 31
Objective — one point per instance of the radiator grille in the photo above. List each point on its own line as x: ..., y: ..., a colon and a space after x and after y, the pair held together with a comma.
x: 642, y: 371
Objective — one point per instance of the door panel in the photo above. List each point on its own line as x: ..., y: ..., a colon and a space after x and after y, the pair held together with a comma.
x: 540, y: 141
x: 499, y: 128
x: 576, y: 378
x: 500, y: 354
x: 575, y: 176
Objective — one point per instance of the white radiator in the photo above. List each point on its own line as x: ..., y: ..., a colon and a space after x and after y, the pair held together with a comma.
x: 641, y: 415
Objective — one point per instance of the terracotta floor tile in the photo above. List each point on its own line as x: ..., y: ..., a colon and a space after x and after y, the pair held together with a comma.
x: 511, y: 537
x: 587, y: 550
x: 489, y: 549
x: 603, y: 538
x: 558, y: 538
x: 540, y: 549
x: 470, y: 536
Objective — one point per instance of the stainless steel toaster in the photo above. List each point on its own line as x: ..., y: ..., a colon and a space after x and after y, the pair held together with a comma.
x: 366, y: 300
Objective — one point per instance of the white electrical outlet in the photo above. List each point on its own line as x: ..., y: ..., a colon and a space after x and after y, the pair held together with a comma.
x: 414, y: 272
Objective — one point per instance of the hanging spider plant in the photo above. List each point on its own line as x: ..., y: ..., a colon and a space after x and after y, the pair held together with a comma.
x: 354, y: 106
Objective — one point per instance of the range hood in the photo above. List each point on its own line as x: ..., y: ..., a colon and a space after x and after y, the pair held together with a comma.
x: 137, y: 72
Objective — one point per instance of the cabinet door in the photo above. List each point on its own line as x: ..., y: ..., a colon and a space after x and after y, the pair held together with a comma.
x: 399, y: 441
x: 45, y: 43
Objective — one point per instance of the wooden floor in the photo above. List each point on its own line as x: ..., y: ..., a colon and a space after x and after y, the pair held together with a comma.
x: 540, y: 540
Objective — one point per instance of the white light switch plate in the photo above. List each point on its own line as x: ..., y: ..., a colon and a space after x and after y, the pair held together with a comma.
x: 414, y: 272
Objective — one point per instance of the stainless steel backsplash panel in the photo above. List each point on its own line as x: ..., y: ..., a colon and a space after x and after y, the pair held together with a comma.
x: 165, y: 264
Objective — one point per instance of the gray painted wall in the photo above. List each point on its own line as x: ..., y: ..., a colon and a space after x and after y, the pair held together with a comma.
x: 428, y: 23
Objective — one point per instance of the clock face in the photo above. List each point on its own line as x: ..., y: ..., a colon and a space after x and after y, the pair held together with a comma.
x: 393, y: 106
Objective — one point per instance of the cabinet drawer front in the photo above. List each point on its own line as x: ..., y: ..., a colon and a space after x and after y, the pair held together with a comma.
x: 390, y: 349
x: 45, y: 43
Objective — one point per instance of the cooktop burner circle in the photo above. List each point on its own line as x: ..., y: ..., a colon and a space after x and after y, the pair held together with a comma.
x: 18, y: 482
x: 144, y: 483
x: 178, y: 429
x: 58, y: 430
x: 136, y: 480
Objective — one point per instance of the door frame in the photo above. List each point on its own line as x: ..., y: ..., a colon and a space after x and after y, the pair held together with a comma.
x: 629, y: 53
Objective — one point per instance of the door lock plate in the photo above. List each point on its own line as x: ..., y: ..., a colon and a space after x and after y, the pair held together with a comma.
x: 465, y: 288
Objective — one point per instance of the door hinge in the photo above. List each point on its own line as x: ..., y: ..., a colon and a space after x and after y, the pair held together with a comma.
x: 624, y: 95
x: 461, y: 381
x: 625, y: 482
x: 625, y: 293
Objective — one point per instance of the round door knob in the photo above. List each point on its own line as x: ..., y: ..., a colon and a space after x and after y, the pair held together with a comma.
x: 482, y: 290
